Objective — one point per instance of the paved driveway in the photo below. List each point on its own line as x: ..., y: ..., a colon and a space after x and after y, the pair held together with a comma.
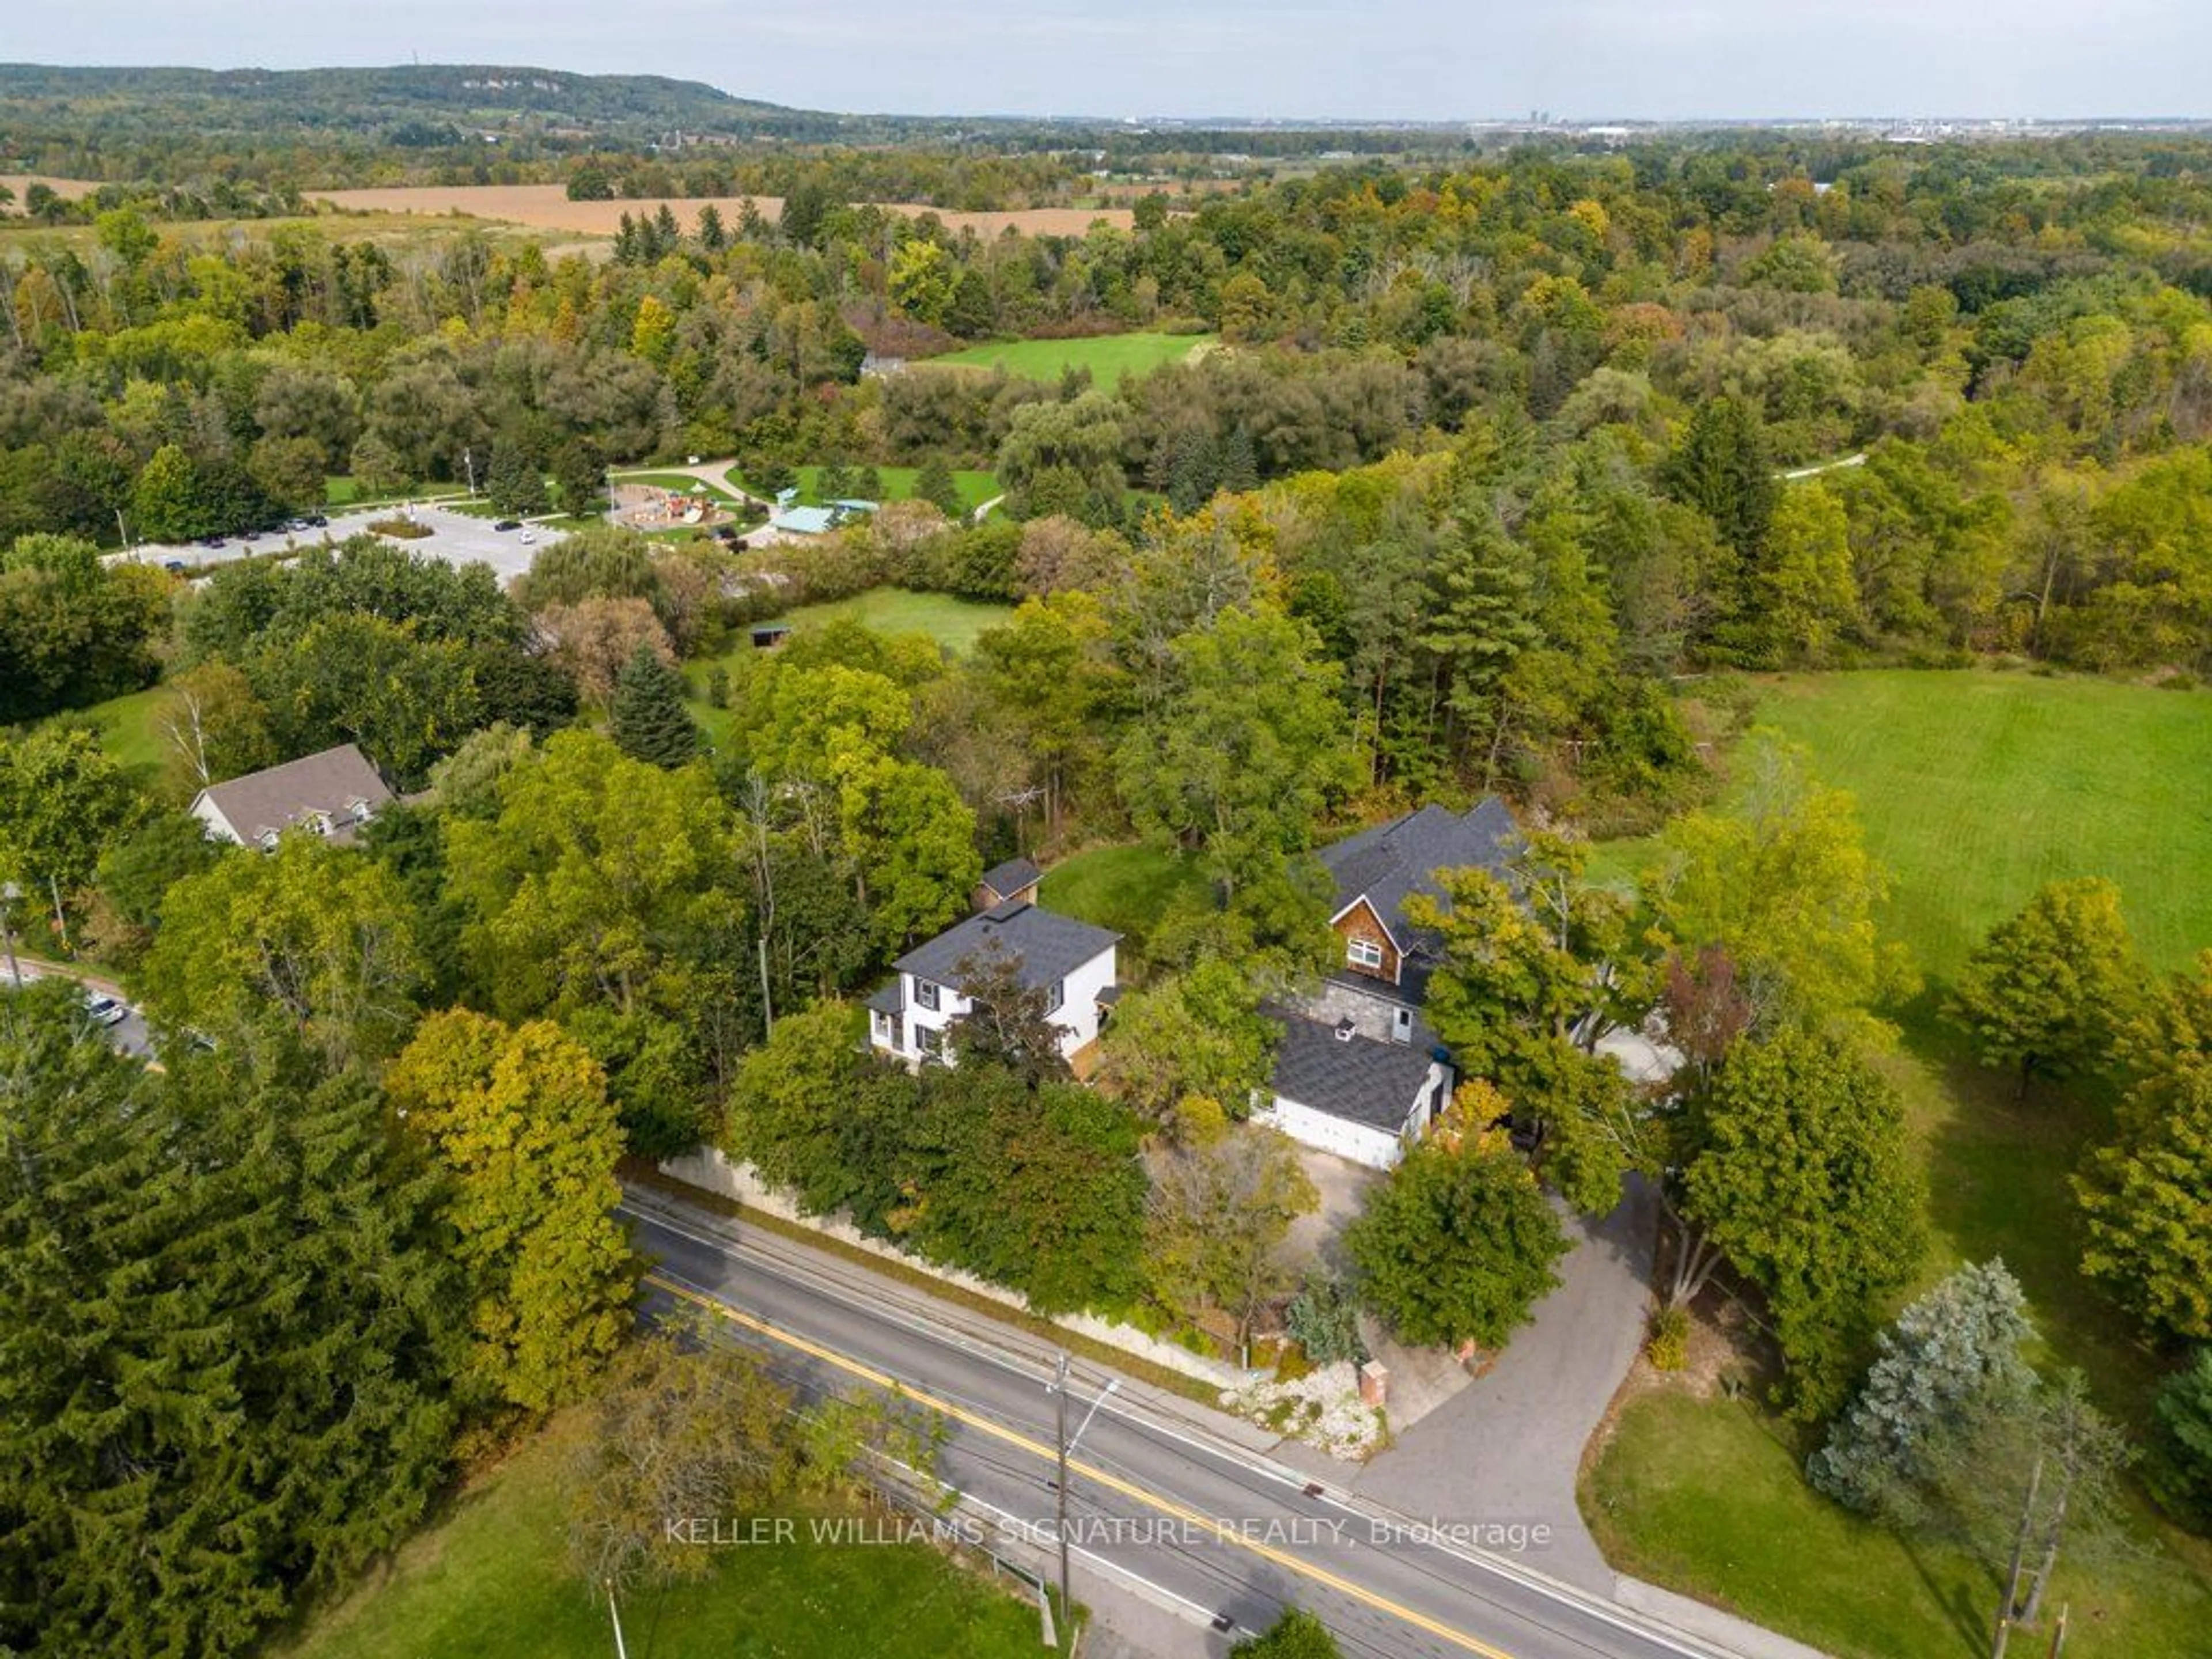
x: 1508, y: 1447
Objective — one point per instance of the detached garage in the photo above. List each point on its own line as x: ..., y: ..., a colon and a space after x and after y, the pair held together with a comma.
x: 1340, y: 1092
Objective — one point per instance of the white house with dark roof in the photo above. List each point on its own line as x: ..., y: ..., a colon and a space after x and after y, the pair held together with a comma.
x: 1357, y: 1071
x: 332, y: 794
x: 1071, y: 960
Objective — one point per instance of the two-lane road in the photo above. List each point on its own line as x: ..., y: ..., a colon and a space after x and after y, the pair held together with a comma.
x: 1214, y: 1526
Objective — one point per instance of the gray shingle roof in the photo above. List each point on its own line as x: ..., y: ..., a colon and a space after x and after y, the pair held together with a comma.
x: 888, y: 998
x: 1387, y: 864
x: 1359, y: 1079
x: 1009, y: 878
x: 329, y: 782
x: 1049, y: 946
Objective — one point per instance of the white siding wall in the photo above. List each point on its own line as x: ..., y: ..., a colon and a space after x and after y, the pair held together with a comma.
x: 211, y: 818
x: 1077, y: 1016
x: 1361, y: 1142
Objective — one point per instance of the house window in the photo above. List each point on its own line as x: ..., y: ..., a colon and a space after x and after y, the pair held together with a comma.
x: 925, y: 994
x: 883, y: 1025
x: 1401, y: 1024
x: 929, y: 1041
x: 1364, y: 954
x: 1057, y: 994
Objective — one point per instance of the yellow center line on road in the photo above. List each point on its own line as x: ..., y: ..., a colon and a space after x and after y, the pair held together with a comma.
x: 1221, y: 1530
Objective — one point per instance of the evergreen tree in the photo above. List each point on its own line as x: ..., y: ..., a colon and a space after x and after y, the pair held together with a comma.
x: 577, y: 478
x: 1721, y: 468
x: 513, y: 482
x: 647, y: 719
x: 1481, y: 614
x: 1238, y: 470
x: 232, y: 1332
x: 935, y: 484
x: 1945, y: 1358
x: 2180, y: 1471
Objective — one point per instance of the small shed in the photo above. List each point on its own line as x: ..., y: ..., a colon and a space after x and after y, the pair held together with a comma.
x: 1017, y: 878
x: 769, y: 635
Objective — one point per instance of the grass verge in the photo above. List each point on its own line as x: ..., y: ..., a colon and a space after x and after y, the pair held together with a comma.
x: 486, y: 1582
x: 1707, y: 1496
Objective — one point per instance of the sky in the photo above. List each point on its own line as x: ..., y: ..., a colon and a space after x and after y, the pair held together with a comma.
x: 1401, y: 59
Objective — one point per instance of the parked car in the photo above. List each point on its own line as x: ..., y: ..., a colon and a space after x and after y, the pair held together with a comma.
x: 508, y: 524
x: 210, y: 541
x: 528, y: 537
x: 316, y: 522
x: 249, y: 535
x: 174, y: 567
x: 106, y: 1010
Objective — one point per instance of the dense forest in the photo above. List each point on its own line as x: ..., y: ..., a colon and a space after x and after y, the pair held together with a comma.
x: 1476, y: 473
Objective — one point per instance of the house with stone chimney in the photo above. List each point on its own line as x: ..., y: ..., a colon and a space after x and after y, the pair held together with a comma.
x: 1359, y: 1072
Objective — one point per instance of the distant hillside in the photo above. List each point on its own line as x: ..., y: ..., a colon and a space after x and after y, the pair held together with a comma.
x: 368, y: 101
x: 432, y: 123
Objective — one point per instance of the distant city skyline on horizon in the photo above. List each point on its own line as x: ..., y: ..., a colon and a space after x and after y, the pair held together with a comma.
x: 1585, y: 61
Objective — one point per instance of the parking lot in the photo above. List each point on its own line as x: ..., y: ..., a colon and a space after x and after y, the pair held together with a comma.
x: 456, y: 538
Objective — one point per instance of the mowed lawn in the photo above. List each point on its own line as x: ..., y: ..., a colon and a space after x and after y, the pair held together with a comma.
x: 1974, y: 788
x: 1708, y: 1495
x: 1108, y: 357
x: 1127, y: 889
x: 487, y: 1582
x: 129, y: 728
x: 953, y: 623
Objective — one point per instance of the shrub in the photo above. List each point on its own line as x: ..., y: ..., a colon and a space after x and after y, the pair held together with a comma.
x: 2179, y: 1470
x: 1667, y: 1347
x: 1324, y: 1320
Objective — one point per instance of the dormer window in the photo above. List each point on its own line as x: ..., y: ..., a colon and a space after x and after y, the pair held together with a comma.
x: 1364, y: 954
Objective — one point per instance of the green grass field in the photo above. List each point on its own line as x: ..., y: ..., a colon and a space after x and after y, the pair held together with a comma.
x: 126, y: 728
x: 1706, y: 1494
x: 1108, y: 357
x: 953, y: 623
x: 486, y: 1582
x: 1127, y: 889
x: 1974, y: 788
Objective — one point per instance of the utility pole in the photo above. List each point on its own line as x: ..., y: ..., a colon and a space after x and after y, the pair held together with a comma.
x: 469, y: 461
x: 1067, y: 1444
